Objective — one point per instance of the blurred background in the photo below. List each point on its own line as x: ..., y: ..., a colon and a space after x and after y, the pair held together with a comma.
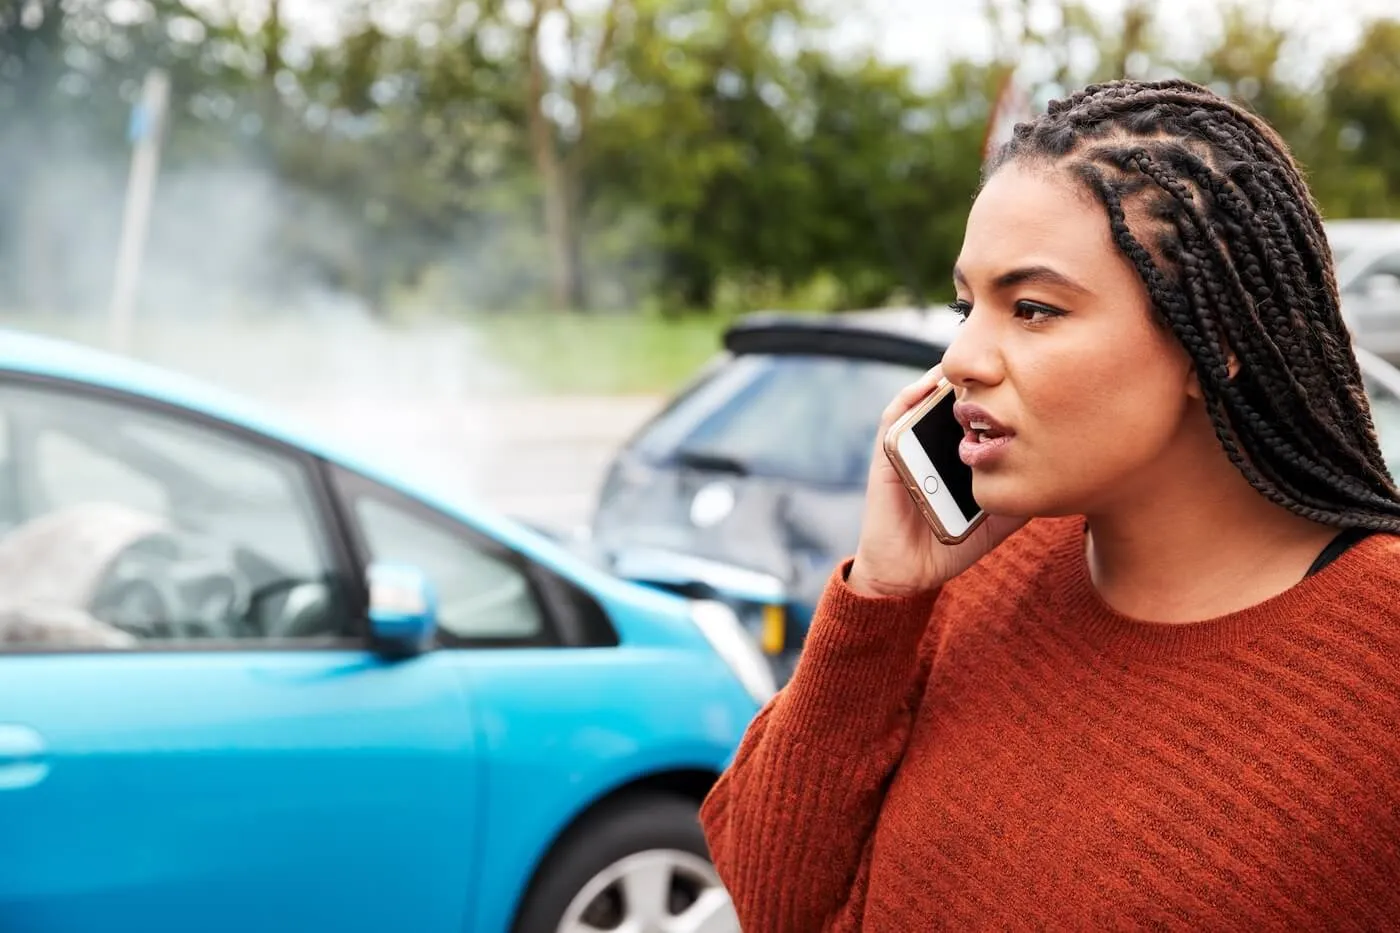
x: 489, y: 238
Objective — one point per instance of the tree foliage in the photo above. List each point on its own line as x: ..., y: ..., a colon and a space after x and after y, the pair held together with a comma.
x: 606, y: 154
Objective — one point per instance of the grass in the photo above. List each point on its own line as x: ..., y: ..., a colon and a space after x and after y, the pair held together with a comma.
x: 601, y: 354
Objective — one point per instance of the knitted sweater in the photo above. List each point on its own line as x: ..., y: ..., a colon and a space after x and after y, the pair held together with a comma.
x: 1010, y: 752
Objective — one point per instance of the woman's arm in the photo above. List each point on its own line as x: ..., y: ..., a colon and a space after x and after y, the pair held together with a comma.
x: 789, y: 823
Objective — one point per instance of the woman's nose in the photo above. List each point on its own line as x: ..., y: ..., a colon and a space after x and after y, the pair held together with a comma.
x: 974, y: 356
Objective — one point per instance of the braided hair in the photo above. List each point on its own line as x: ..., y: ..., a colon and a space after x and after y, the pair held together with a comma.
x: 1206, y: 202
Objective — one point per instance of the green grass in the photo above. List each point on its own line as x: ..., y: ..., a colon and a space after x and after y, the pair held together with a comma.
x: 602, y: 354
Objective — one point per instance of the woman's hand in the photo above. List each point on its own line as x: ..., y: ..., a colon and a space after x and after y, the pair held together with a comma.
x: 898, y: 554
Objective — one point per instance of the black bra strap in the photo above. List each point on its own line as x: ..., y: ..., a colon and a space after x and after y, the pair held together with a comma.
x: 1339, y: 546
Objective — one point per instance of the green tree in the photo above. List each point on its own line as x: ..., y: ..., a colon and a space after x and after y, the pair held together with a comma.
x: 1362, y: 131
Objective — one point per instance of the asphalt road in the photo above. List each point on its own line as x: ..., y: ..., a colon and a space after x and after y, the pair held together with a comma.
x: 540, y: 458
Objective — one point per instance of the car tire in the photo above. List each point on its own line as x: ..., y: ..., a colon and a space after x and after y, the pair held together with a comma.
x: 642, y: 859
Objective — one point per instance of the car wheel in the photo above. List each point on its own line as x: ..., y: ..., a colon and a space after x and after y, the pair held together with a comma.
x: 639, y: 866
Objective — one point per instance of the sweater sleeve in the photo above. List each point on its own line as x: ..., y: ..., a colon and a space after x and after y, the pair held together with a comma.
x: 789, y: 822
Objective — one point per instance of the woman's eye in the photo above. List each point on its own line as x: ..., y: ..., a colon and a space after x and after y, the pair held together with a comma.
x: 961, y: 308
x: 1033, y: 312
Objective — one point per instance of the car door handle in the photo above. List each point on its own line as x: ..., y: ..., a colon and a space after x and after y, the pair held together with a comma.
x: 23, y: 757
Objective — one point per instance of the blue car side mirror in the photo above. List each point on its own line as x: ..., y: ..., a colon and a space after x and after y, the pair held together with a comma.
x: 402, y: 608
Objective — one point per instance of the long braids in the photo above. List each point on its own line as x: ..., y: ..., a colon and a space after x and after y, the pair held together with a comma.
x: 1206, y: 202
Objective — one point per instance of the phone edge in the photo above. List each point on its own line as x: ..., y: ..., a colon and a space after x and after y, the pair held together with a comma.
x: 890, y: 444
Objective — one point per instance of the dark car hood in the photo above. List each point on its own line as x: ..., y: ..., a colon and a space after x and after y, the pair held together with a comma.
x: 793, y: 532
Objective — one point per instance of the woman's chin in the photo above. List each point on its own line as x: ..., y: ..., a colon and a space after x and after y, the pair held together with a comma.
x: 1009, y: 495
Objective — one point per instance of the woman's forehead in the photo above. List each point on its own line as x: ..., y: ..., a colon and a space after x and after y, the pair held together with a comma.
x: 1031, y: 216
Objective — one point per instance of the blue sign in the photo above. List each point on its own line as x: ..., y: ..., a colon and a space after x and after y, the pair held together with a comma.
x: 140, y: 124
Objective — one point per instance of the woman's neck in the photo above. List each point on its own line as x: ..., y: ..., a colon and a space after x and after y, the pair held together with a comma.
x: 1196, y: 551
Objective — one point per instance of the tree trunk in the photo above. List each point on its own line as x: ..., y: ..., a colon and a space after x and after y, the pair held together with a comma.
x: 1137, y: 19
x: 565, y: 280
x: 578, y: 298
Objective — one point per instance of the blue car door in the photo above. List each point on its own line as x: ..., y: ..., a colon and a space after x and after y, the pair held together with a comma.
x: 193, y: 733
x: 567, y: 711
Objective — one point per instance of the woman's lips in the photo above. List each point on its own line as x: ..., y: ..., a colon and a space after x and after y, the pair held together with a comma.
x: 984, y: 437
x: 977, y: 450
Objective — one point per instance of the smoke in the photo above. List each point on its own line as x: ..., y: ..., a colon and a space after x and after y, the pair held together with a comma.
x: 60, y: 223
x: 222, y: 293
x: 250, y: 282
x: 212, y: 251
x: 215, y: 246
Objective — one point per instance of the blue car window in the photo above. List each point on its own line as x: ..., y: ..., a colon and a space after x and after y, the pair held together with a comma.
x: 809, y: 419
x: 133, y: 526
x: 480, y: 596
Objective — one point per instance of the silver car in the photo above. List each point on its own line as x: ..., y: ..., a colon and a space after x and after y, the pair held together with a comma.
x: 1367, y: 253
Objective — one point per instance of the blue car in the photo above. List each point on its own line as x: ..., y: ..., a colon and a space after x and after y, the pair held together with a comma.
x: 250, y: 683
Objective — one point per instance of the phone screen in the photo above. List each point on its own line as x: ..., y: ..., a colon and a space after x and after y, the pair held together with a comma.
x: 939, y: 434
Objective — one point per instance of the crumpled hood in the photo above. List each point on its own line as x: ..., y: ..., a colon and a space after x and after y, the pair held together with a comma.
x: 793, y: 532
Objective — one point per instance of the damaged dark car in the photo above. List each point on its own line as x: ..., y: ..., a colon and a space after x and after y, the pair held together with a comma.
x: 749, y: 484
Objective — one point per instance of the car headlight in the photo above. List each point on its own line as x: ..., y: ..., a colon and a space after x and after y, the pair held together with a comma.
x: 721, y: 627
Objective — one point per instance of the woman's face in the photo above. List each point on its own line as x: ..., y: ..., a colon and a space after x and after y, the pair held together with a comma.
x: 1062, y: 352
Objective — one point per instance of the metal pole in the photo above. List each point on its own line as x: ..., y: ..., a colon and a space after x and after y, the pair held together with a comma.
x: 147, y: 125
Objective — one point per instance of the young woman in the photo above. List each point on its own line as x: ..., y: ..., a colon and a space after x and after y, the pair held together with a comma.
x: 1172, y: 699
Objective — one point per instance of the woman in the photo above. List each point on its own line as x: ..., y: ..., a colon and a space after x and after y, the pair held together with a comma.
x: 1172, y: 698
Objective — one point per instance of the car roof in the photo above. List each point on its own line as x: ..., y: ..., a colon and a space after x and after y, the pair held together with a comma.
x: 28, y: 353
x: 1363, y: 225
x: 23, y: 352
x: 1366, y: 231
x: 908, y: 336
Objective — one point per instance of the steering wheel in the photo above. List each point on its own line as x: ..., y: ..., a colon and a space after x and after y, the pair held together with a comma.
x: 153, y: 609
x: 134, y: 606
x: 218, y: 603
x: 301, y: 612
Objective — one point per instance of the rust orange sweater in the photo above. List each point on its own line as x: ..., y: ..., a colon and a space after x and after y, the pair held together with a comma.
x: 1010, y: 752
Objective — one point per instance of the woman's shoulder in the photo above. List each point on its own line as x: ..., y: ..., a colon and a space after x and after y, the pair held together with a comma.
x: 1369, y: 571
x: 1351, y: 606
x: 1381, y: 552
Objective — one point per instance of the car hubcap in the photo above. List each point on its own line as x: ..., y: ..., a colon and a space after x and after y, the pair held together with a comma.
x: 658, y: 891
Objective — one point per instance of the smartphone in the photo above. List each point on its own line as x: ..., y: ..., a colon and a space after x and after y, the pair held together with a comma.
x: 923, y: 447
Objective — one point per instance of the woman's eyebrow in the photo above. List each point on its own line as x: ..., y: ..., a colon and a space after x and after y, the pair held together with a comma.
x: 1035, y: 275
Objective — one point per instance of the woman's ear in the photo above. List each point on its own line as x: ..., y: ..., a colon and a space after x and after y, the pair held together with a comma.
x: 1193, y: 382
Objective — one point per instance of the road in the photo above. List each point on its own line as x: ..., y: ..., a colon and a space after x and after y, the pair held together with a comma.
x: 540, y: 458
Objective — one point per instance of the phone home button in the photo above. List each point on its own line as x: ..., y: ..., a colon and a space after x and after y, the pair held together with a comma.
x: 930, y: 484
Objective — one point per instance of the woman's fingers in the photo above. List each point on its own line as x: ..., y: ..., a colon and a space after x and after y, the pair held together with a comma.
x: 910, y: 396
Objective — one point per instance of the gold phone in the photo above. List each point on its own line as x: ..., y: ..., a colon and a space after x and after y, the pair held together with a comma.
x: 923, y: 447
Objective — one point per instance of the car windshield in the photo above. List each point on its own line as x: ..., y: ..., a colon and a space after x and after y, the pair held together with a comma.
x: 811, y: 419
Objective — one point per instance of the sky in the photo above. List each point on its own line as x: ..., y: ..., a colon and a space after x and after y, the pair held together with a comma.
x: 925, y: 33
